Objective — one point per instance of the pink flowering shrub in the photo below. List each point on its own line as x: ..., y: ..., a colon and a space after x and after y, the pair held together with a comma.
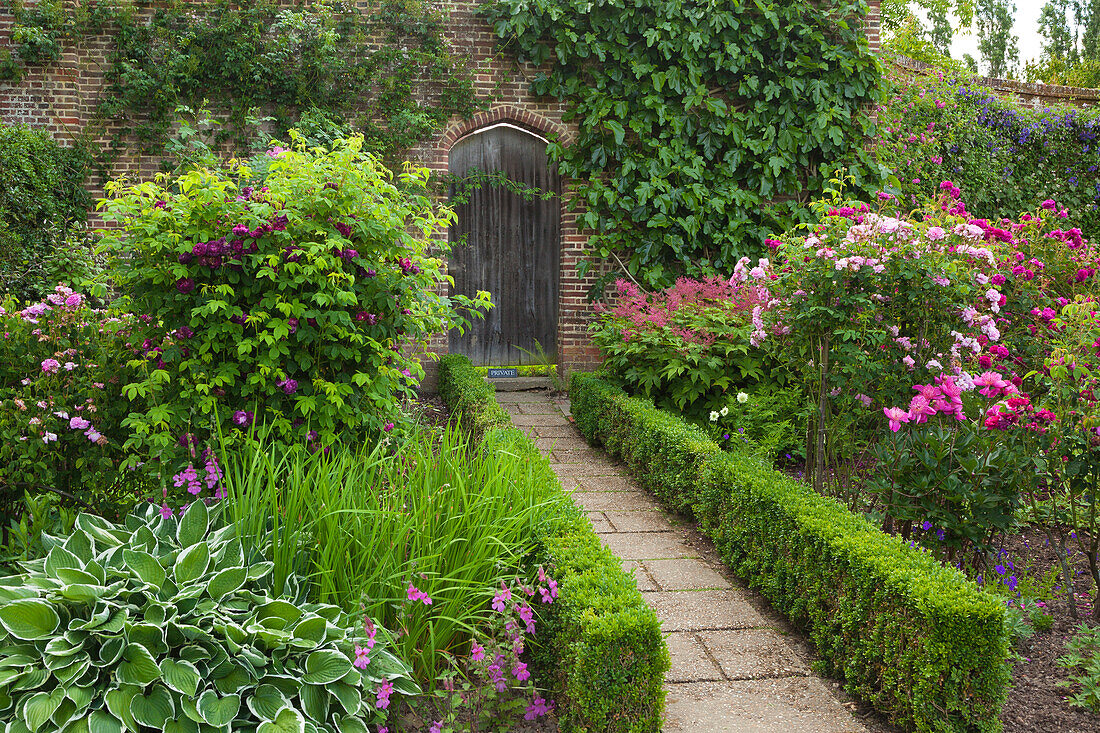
x: 298, y: 298
x: 687, y: 346
x: 62, y: 370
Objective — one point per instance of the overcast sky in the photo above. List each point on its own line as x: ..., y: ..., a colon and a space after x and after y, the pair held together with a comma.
x: 1025, y: 28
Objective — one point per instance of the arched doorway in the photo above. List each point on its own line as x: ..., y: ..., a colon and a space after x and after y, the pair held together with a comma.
x: 511, y: 249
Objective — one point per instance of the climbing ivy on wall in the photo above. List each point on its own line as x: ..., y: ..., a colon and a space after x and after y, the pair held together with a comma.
x: 703, y: 126
x: 385, y: 69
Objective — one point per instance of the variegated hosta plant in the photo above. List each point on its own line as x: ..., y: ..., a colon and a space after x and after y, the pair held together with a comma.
x: 162, y: 625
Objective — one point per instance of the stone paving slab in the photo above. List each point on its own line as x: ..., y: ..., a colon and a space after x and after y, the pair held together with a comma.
x: 647, y: 545
x: 702, y: 610
x: 689, y: 660
x: 538, y: 408
x: 628, y: 521
x: 556, y: 431
x: 534, y: 396
x: 608, y: 483
x: 686, y: 575
x: 540, y: 420
x: 752, y: 654
x: 602, y: 500
x: 574, y: 455
x: 791, y: 705
x: 599, y: 522
x: 645, y: 583
x: 588, y: 468
x: 566, y: 444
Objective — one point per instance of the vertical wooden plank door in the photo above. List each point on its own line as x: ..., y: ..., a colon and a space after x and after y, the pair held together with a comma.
x: 511, y: 247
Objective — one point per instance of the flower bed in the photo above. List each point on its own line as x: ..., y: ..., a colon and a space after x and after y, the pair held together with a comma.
x: 911, y: 636
x: 604, y: 648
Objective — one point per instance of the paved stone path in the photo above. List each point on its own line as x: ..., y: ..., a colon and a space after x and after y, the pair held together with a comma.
x: 732, y: 669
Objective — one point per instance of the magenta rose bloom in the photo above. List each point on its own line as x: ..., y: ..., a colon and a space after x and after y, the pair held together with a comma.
x: 185, y: 285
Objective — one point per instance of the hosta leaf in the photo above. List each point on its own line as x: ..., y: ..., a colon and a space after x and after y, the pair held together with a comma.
x: 110, y: 651
x: 59, y: 646
x: 237, y: 679
x: 350, y: 724
x: 149, y: 636
x: 40, y: 706
x: 325, y: 666
x: 65, y: 712
x: 61, y: 559
x: 315, y: 702
x: 29, y: 619
x: 193, y: 524
x: 288, y: 720
x: 258, y: 570
x: 266, y: 701
x: 145, y: 567
x: 74, y: 670
x: 82, y: 593
x: 312, y: 629
x: 181, y: 725
x: 348, y: 697
x: 226, y: 582
x: 278, y: 614
x: 192, y: 563
x: 154, y: 708
x: 80, y: 545
x: 138, y: 666
x: 99, y: 529
x: 81, y: 696
x: 7, y: 675
x: 118, y: 702
x: 74, y: 575
x: 218, y: 711
x: 181, y: 676
x: 32, y: 679
x: 103, y: 722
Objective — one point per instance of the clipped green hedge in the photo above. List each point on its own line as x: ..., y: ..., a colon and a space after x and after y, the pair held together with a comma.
x: 914, y: 638
x: 601, y: 642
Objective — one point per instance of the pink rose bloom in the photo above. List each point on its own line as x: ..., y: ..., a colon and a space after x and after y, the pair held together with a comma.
x: 920, y: 409
x: 897, y: 416
x: 935, y: 233
x: 50, y: 366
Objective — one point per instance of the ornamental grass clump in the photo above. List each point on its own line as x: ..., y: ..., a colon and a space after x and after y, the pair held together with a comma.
x: 439, y: 520
x: 168, y: 624
x: 295, y: 292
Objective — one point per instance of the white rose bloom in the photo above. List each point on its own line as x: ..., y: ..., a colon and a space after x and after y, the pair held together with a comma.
x: 742, y: 397
x: 713, y: 416
x: 724, y: 411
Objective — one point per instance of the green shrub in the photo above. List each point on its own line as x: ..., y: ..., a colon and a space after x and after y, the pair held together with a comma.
x: 906, y: 633
x: 686, y: 347
x: 63, y: 365
x: 42, y: 197
x: 301, y: 299
x: 602, y: 644
x: 165, y: 625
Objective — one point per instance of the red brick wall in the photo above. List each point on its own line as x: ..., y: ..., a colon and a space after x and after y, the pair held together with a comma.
x: 62, y: 98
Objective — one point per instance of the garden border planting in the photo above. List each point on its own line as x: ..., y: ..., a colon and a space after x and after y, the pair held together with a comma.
x: 603, y: 645
x: 912, y: 637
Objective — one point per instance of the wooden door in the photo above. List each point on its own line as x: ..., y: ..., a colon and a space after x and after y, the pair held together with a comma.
x: 511, y: 247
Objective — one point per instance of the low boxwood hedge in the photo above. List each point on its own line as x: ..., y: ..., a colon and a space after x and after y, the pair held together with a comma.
x: 601, y: 643
x: 912, y: 637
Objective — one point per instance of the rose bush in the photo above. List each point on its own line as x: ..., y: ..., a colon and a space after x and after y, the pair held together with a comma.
x: 296, y: 292
x: 63, y: 365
